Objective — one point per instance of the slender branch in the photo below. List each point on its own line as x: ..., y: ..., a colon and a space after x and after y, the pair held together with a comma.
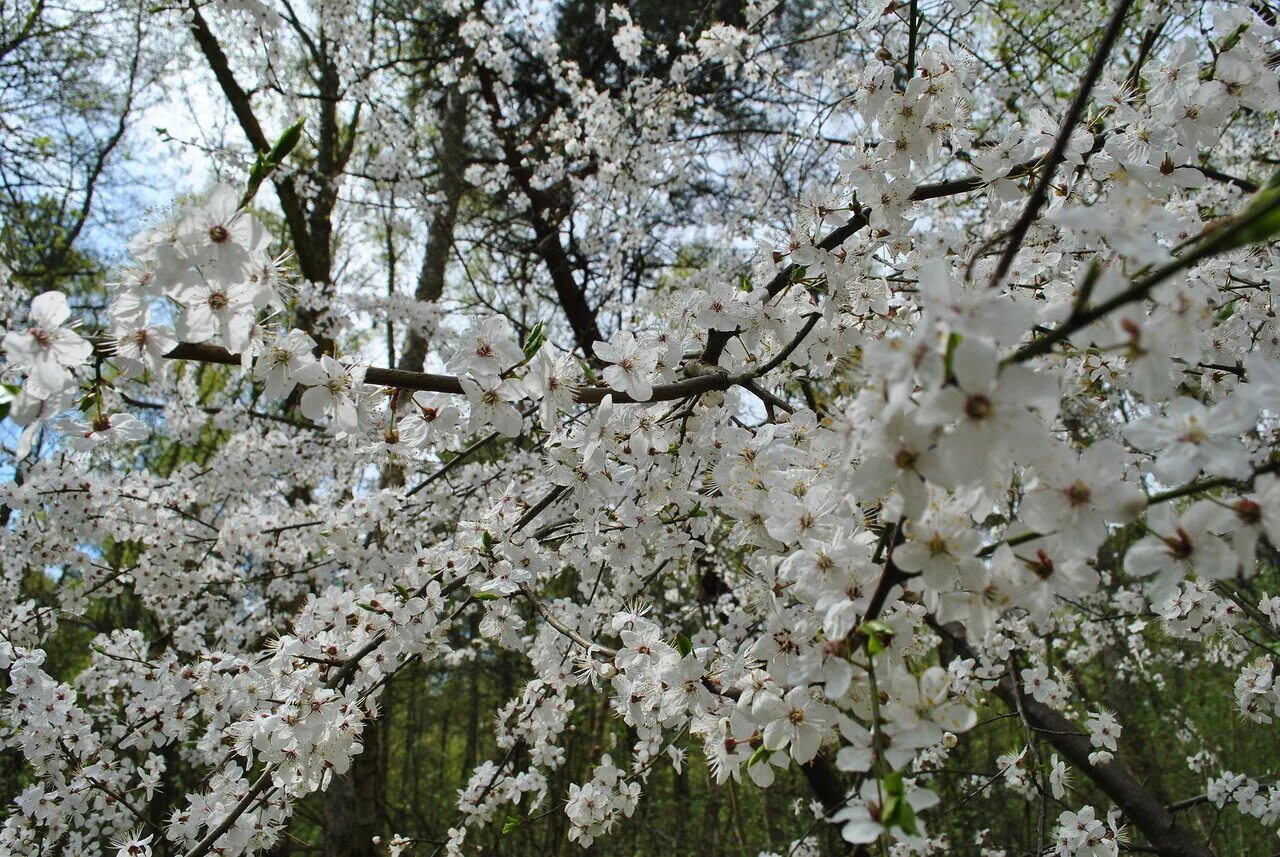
x: 461, y: 457
x: 1019, y: 700
x: 1252, y: 612
x: 1202, y: 485
x: 1188, y: 803
x: 544, y: 220
x: 913, y: 33
x: 769, y: 399
x: 1056, y: 155
x: 313, y: 267
x: 891, y: 576
x: 704, y: 378
x: 781, y: 356
x: 1084, y: 317
x: 718, y: 339
x: 204, y: 846
x: 1190, y: 489
x: 555, y: 622
x: 1219, y: 176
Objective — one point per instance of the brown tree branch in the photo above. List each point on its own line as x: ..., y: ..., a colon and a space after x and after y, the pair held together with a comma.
x: 1139, y: 806
x: 1056, y: 155
x: 315, y: 269
x: 546, y: 230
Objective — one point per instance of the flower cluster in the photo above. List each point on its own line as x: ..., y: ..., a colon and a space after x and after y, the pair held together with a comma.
x: 751, y: 509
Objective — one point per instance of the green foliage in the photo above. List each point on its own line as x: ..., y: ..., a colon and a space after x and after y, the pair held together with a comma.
x: 36, y: 241
x: 266, y: 164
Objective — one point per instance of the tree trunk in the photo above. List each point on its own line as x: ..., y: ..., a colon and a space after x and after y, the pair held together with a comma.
x: 1140, y: 807
x: 451, y: 159
x: 354, y: 805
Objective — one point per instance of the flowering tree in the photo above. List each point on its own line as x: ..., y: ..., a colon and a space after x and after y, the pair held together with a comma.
x: 997, y: 386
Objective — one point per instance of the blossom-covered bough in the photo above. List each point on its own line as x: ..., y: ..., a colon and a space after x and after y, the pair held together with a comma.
x: 999, y: 379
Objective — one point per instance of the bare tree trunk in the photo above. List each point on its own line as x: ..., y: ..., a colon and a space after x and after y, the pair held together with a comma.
x: 546, y: 212
x: 451, y: 161
x: 354, y: 805
x: 1140, y: 806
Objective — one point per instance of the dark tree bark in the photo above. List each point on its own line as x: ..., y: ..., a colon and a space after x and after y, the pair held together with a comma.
x: 451, y: 159
x: 544, y: 217
x: 1140, y: 807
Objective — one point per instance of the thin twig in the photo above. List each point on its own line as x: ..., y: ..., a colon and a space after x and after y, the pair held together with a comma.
x: 1056, y: 155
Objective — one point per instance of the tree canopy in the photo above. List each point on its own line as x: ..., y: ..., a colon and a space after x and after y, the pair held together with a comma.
x: 733, y: 428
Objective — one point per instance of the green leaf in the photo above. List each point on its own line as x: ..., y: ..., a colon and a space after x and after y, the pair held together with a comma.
x: 697, y: 511
x: 257, y: 175
x: 759, y: 755
x: 7, y: 394
x: 896, y: 812
x: 88, y: 401
x: 890, y: 810
x: 877, y: 634
x: 265, y: 165
x: 287, y: 142
x: 949, y: 362
x: 537, y: 336
x: 512, y: 822
x: 683, y: 645
x: 1232, y: 40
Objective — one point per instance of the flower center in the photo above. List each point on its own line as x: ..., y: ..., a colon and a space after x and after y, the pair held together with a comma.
x: 1180, y: 544
x: 1077, y: 494
x: 1042, y: 566
x: 978, y: 407
x: 1248, y: 512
